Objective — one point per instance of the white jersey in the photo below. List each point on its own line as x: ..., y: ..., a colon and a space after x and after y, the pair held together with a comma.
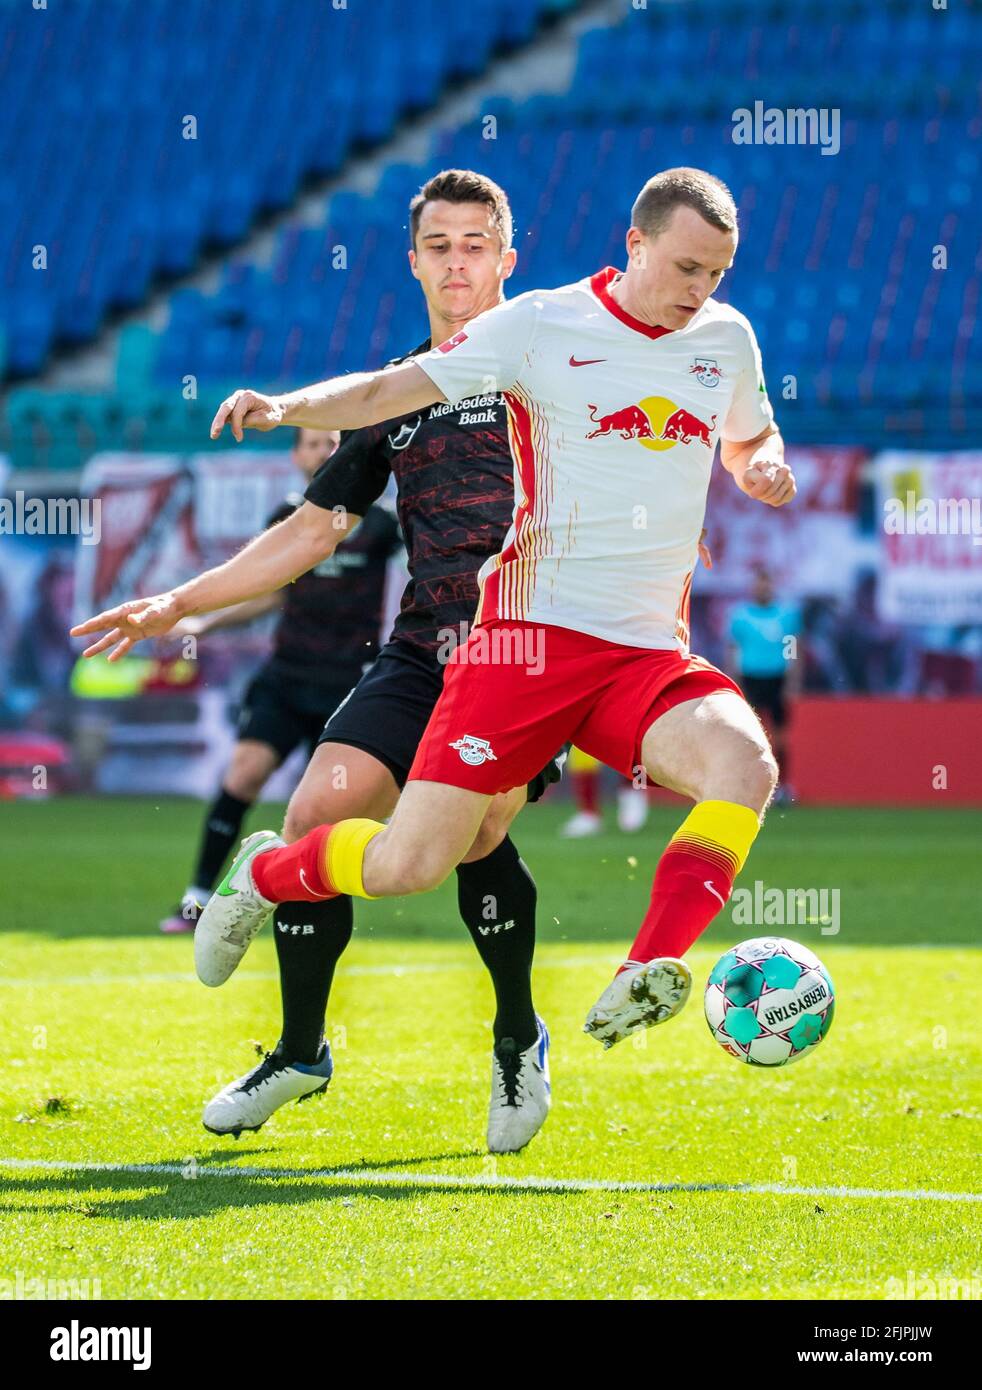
x: 613, y: 426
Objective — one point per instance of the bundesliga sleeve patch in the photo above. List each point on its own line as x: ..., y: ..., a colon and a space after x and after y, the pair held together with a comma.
x: 453, y: 342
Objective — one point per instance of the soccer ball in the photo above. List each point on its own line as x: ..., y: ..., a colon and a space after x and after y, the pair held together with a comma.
x: 769, y: 1001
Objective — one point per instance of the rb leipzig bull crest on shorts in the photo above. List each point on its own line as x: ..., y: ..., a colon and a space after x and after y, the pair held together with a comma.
x: 474, y: 751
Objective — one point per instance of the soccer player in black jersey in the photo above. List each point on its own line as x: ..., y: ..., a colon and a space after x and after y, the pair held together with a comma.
x: 326, y: 635
x: 453, y: 470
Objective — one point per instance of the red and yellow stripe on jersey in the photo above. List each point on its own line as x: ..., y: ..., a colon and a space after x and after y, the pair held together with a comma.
x: 682, y: 629
x: 506, y: 592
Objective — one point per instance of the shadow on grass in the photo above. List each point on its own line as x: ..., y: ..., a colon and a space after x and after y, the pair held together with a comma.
x: 187, y: 1191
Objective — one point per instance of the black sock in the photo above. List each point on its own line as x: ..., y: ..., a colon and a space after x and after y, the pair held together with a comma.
x: 497, y: 896
x: 221, y: 834
x: 310, y: 938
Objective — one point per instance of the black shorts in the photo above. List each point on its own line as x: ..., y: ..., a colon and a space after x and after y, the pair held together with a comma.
x: 283, y: 711
x: 766, y: 695
x: 389, y: 709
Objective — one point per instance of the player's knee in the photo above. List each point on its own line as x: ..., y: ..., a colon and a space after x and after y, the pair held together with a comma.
x: 245, y: 782
x: 302, y: 816
x: 493, y: 830
x: 764, y: 777
x: 495, y: 825
x: 758, y: 774
x: 249, y: 770
x: 747, y: 774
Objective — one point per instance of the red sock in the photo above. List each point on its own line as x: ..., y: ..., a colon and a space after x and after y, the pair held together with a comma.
x: 694, y: 877
x: 585, y: 784
x: 681, y: 906
x: 293, y: 873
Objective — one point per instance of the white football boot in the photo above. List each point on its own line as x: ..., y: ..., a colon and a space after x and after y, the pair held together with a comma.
x: 639, y: 997
x: 520, y: 1093
x: 632, y: 809
x: 581, y: 826
x: 233, y: 914
x: 248, y: 1102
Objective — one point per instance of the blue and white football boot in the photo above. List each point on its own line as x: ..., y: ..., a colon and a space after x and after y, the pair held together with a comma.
x: 520, y: 1092
x: 248, y: 1102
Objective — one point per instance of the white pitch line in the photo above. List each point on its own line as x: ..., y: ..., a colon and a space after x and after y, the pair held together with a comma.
x: 370, y: 1178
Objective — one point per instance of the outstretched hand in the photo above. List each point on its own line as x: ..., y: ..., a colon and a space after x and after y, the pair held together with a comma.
x: 129, y: 623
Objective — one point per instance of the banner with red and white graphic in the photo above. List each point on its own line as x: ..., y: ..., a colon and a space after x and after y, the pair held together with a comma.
x: 166, y: 517
x: 810, y: 547
x: 146, y: 531
x: 929, y: 522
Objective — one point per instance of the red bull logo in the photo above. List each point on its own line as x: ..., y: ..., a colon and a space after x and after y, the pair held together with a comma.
x: 629, y: 423
x: 656, y: 422
x: 685, y: 427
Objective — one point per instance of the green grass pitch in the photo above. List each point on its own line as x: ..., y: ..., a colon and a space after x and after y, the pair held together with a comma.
x: 381, y: 1187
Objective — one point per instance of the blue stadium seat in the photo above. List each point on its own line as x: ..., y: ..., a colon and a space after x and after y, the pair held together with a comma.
x: 193, y: 129
x: 835, y: 266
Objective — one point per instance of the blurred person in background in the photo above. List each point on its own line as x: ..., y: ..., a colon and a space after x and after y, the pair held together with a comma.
x: 766, y: 662
x: 879, y: 657
x: 42, y: 657
x: 328, y: 632
x: 584, y: 775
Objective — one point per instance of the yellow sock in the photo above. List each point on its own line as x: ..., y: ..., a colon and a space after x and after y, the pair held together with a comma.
x: 344, y: 855
x: 720, y: 829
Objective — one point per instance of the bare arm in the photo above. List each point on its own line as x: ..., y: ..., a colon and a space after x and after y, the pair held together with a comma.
x: 272, y: 559
x: 758, y: 468
x: 343, y: 403
x: 236, y: 616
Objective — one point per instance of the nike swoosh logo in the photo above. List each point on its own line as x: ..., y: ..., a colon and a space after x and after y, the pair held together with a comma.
x: 708, y: 884
x: 587, y: 362
x: 222, y: 890
x: 303, y: 880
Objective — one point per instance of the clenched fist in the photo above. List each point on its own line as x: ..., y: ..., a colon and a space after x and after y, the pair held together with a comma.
x: 770, y: 482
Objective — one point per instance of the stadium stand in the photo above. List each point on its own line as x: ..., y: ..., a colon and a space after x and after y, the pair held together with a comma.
x: 198, y: 120
x: 866, y: 340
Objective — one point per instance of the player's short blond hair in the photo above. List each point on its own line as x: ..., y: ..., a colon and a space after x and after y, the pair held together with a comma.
x: 690, y: 188
x: 463, y: 186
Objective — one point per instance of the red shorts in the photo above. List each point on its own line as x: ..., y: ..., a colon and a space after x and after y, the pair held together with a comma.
x: 515, y: 692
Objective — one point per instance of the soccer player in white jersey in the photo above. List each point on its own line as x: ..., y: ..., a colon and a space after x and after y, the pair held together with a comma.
x: 618, y: 389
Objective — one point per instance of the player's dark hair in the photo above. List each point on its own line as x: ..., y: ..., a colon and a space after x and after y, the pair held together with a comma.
x: 463, y: 186
x: 690, y: 188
